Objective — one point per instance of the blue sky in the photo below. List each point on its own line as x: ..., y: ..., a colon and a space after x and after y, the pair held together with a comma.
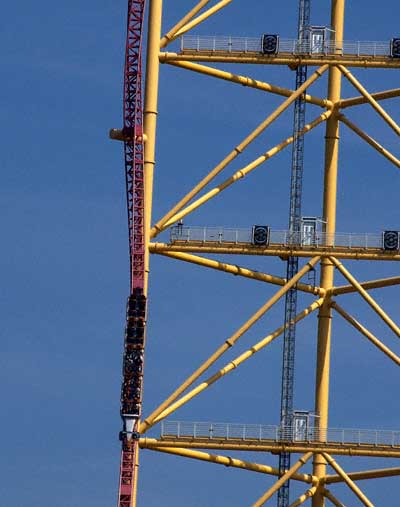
x: 65, y: 258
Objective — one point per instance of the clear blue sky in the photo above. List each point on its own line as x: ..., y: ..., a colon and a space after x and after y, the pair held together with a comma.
x: 65, y: 258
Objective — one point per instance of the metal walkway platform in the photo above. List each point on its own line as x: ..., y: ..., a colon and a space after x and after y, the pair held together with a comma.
x: 220, y: 240
x: 256, y: 437
x: 192, y: 43
x: 249, y: 50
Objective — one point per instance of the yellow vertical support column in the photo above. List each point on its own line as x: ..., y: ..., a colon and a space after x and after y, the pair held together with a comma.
x: 150, y: 118
x: 149, y: 130
x: 327, y: 269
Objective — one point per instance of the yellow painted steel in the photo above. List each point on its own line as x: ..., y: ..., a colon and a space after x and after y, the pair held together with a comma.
x: 357, y: 101
x: 394, y: 357
x: 373, y: 254
x: 275, y: 447
x: 364, y: 475
x: 378, y: 108
x: 364, y: 294
x: 230, y: 342
x: 241, y: 173
x: 356, y: 490
x: 338, y: 65
x: 327, y: 270
x: 236, y: 270
x: 372, y: 284
x: 229, y: 462
x: 303, y: 498
x: 370, y: 140
x: 289, y: 59
x: 168, y: 37
x: 205, y: 15
x: 249, y: 82
x: 150, y: 119
x: 332, y: 498
x: 160, y: 225
x: 235, y: 363
x: 285, y: 477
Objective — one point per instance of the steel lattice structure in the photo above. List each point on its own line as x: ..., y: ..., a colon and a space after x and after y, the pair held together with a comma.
x: 317, y: 445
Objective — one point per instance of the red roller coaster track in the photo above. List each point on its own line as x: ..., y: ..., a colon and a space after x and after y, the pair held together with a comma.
x: 131, y: 392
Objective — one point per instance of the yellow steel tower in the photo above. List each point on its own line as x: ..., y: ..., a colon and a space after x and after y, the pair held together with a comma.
x: 330, y: 57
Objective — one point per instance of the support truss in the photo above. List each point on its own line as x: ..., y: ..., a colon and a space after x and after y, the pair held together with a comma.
x: 139, y: 137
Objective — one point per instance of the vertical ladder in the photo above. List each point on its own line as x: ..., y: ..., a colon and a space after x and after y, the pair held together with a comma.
x: 293, y: 262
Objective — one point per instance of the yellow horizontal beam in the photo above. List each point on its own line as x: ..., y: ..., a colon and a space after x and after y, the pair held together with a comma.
x: 248, y: 81
x: 229, y: 462
x: 372, y: 284
x: 356, y: 101
x: 364, y: 450
x: 232, y: 365
x: 364, y: 475
x: 290, y: 60
x: 373, y: 254
x: 370, y: 140
x: 236, y: 270
x: 381, y: 346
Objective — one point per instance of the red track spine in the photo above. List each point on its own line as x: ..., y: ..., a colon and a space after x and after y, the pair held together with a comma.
x: 131, y: 393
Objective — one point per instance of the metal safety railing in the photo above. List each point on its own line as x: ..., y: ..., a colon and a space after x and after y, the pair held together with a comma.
x: 221, y: 235
x: 259, y: 432
x: 228, y: 44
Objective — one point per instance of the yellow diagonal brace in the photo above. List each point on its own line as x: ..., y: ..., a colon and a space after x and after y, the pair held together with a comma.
x: 207, y: 14
x: 366, y: 333
x: 248, y: 81
x: 364, y: 294
x: 370, y: 140
x: 371, y: 284
x: 236, y: 362
x: 364, y: 475
x: 230, y: 342
x: 228, y: 462
x: 378, y: 108
x: 236, y: 270
x: 168, y: 37
x: 356, y: 101
x: 238, y: 175
x: 303, y: 498
x: 261, y: 501
x: 237, y: 151
x: 356, y: 490
x: 333, y: 499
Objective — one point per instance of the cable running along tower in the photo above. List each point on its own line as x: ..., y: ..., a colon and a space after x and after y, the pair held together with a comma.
x: 316, y: 446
